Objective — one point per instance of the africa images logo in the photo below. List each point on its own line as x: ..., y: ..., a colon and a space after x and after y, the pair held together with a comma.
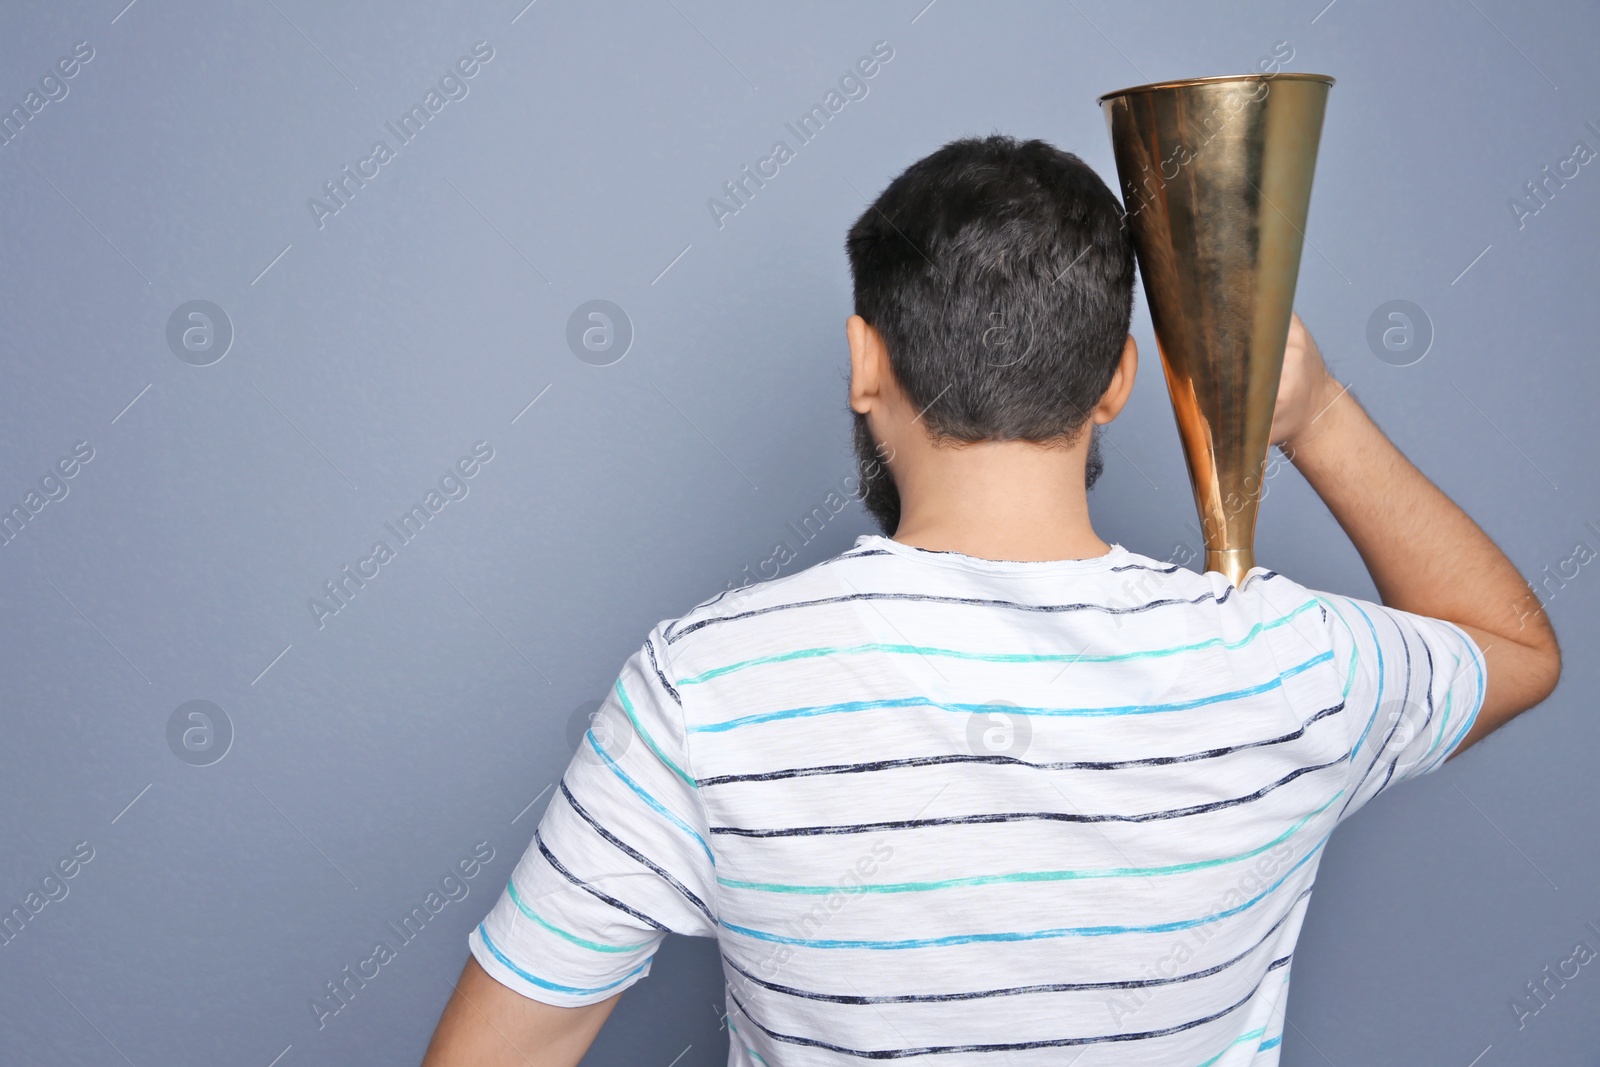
x: 852, y: 85
x: 452, y: 86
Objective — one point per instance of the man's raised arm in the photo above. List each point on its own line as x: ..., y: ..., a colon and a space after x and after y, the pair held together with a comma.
x: 1424, y: 553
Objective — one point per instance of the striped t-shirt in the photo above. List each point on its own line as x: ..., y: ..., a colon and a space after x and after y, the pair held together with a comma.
x: 963, y: 811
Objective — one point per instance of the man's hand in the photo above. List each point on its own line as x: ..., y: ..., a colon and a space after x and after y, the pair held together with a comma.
x: 487, y: 1025
x: 1423, y: 552
x: 1305, y: 388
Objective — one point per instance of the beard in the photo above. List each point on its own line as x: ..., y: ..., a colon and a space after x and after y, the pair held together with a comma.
x: 879, y: 495
x: 1093, y: 464
x: 877, y: 491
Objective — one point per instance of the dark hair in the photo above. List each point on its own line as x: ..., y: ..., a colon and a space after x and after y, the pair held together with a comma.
x: 999, y: 273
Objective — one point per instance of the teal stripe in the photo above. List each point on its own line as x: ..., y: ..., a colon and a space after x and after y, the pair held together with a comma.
x: 511, y: 887
x: 1449, y: 692
x: 627, y: 706
x: 1444, y: 717
x: 1025, y: 935
x: 995, y: 657
x: 1470, y: 719
x: 1241, y: 1039
x: 967, y: 709
x: 1441, y: 721
x: 753, y: 1053
x: 1377, y: 651
x: 1029, y: 876
x: 1271, y: 1043
x: 655, y: 804
x: 543, y: 983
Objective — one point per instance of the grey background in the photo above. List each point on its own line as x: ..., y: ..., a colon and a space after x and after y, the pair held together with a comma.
x: 373, y: 753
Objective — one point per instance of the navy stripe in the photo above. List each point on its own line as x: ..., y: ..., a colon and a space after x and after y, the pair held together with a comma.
x: 592, y: 891
x: 929, y: 598
x: 1427, y: 690
x: 1066, y: 765
x: 635, y: 854
x: 1141, y: 567
x: 667, y: 633
x: 708, y: 603
x: 1013, y: 991
x: 1010, y: 1046
x: 650, y: 648
x: 1027, y: 816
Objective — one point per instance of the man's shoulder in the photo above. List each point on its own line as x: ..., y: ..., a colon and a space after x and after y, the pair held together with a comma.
x: 821, y: 580
x: 1181, y: 574
x: 1141, y: 583
x: 1132, y: 583
x: 1130, y: 574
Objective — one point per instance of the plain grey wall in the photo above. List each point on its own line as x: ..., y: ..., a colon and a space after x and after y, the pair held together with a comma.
x: 373, y: 749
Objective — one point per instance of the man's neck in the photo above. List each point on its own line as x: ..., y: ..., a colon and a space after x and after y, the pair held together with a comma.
x: 1006, y: 500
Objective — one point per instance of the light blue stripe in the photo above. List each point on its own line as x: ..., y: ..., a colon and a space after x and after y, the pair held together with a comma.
x: 1456, y: 740
x: 1355, y: 652
x: 1477, y: 667
x: 1236, y: 1042
x: 483, y: 932
x: 994, y: 657
x: 1377, y: 701
x: 1032, y: 935
x: 1444, y: 712
x: 1271, y: 1044
x: 647, y: 798
x: 906, y: 702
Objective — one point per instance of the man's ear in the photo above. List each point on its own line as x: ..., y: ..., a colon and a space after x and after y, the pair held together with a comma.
x: 1121, y: 387
x: 868, y: 357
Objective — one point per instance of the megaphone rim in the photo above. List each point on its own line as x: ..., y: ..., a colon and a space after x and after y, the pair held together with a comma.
x: 1182, y: 83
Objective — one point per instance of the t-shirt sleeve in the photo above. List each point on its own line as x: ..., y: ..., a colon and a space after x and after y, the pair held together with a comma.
x: 1411, y: 686
x: 620, y: 858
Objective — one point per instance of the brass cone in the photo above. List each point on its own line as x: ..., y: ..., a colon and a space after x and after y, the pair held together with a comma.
x: 1216, y: 178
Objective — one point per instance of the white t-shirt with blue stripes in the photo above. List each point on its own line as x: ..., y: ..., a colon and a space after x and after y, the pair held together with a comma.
x: 962, y: 811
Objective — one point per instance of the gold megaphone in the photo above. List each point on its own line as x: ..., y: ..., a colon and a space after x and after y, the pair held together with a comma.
x: 1216, y: 180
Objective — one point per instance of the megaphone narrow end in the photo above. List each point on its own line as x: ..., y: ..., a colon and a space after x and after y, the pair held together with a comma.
x: 1232, y: 563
